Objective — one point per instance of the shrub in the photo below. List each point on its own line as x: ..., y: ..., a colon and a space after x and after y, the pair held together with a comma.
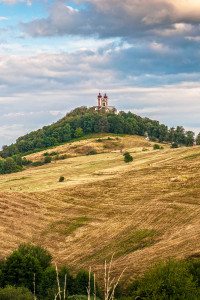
x: 92, y: 152
x: 54, y: 153
x: 47, y: 159
x: 37, y: 163
x: 157, y: 147
x: 9, y: 165
x: 26, y: 162
x: 61, y: 179
x: 62, y: 157
x: 46, y: 154
x: 174, y: 145
x: 167, y: 280
x: 127, y: 157
x: 16, y: 293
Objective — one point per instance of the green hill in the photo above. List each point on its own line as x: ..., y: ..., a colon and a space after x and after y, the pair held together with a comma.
x: 84, y: 121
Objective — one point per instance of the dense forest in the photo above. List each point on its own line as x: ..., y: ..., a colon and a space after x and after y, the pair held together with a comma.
x: 83, y: 121
x: 28, y: 273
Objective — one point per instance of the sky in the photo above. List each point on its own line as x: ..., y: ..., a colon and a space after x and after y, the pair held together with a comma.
x: 56, y: 55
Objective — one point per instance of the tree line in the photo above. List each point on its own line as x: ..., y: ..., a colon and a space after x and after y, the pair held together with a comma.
x: 83, y: 121
x: 31, y: 267
x: 28, y: 273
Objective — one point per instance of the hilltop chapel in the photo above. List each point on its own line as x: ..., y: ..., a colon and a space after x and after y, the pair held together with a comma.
x: 102, y: 104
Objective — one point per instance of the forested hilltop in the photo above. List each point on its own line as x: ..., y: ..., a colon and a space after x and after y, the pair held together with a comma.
x: 83, y: 121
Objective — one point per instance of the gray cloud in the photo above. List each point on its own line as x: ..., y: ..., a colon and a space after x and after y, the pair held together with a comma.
x: 153, y: 68
x: 38, y: 90
x: 129, y: 18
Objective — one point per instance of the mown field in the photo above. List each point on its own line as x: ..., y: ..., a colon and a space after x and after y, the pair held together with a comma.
x: 143, y: 212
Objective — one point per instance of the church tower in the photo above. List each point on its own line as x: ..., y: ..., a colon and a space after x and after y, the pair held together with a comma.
x: 103, y: 105
x: 99, y: 97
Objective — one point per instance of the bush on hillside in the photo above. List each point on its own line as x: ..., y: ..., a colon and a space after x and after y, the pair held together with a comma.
x: 47, y: 159
x: 61, y: 157
x: 61, y: 179
x: 127, y: 157
x: 174, y: 145
x: 157, y: 147
x: 37, y: 163
x: 53, y: 153
x: 9, y: 165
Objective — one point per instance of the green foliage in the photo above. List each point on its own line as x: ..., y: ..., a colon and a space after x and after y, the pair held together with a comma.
x: 41, y: 254
x: 47, y: 159
x: 53, y: 153
x: 168, y: 280
x: 82, y: 121
x: 37, y: 163
x: 81, y: 282
x: 26, y: 162
x: 194, y: 268
x: 171, y: 280
x: 61, y: 179
x: 46, y: 154
x: 62, y: 157
x: 15, y: 293
x: 127, y: 157
x: 81, y: 297
x: 157, y: 147
x: 198, y: 139
x: 22, y: 264
x: 9, y: 165
x: 48, y: 285
x: 78, y: 132
x: 19, y: 270
x: 174, y: 145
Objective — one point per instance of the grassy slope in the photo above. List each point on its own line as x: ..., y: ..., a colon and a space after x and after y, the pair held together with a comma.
x: 144, y: 211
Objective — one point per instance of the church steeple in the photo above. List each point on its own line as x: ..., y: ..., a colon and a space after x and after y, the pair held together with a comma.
x: 103, y: 105
x: 99, y: 97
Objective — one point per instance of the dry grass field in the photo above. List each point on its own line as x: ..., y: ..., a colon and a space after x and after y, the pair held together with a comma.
x: 144, y: 211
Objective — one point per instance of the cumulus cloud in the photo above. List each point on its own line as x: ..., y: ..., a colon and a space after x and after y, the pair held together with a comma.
x: 37, y: 90
x: 128, y: 18
x: 149, y: 62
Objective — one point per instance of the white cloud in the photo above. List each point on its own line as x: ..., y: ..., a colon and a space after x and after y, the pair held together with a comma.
x: 143, y: 53
x: 11, y: 2
x: 128, y: 18
x: 2, y: 18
